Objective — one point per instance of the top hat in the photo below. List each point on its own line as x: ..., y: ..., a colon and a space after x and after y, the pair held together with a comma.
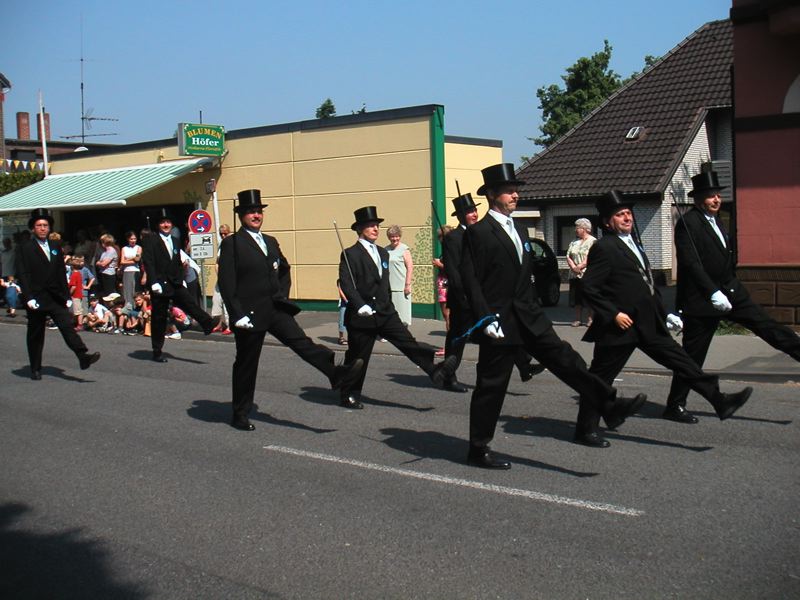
x: 464, y: 204
x: 497, y: 175
x: 163, y: 215
x: 704, y: 183
x: 611, y: 203
x: 40, y: 213
x: 365, y: 214
x: 248, y: 200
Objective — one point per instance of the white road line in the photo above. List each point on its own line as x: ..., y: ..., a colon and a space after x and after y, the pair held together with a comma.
x: 477, y: 485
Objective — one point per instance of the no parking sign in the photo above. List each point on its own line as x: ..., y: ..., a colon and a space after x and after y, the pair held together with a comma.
x: 199, y: 222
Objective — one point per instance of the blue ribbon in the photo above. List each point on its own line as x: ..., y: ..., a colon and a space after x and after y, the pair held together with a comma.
x: 481, y: 323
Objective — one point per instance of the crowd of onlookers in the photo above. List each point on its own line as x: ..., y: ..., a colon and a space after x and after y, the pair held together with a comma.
x: 107, y: 282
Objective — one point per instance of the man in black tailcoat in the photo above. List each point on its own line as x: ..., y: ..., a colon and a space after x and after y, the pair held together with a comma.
x: 254, y: 281
x: 708, y: 290
x: 42, y: 277
x: 364, y: 279
x: 496, y: 274
x: 161, y: 257
x: 628, y: 314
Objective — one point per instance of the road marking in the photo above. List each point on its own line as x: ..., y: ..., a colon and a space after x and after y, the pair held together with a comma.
x: 477, y: 485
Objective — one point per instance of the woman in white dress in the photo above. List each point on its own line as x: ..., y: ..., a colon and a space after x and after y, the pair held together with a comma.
x: 401, y: 271
x: 577, y: 257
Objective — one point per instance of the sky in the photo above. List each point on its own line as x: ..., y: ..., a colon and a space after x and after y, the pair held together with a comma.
x: 253, y: 63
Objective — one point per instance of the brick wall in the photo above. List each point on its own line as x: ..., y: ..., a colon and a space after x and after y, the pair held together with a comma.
x: 777, y: 289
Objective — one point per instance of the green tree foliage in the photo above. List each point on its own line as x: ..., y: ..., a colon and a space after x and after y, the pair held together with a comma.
x: 11, y: 182
x: 587, y: 83
x: 326, y: 110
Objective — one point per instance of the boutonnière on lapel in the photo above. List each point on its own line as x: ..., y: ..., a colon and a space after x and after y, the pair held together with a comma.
x: 275, y: 265
x: 385, y: 265
x: 54, y: 252
x: 527, y: 246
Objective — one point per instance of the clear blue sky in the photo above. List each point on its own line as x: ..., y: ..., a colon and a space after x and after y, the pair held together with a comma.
x: 245, y: 64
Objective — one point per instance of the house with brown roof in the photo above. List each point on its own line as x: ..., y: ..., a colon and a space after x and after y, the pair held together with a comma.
x: 646, y: 140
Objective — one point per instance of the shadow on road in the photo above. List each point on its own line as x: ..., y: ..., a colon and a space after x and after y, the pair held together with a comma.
x: 439, y: 446
x: 211, y: 411
x: 63, y: 564
x: 148, y: 355
x: 325, y: 397
x: 50, y: 372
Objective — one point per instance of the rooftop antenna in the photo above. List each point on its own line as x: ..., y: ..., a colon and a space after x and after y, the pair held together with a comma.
x: 86, y: 115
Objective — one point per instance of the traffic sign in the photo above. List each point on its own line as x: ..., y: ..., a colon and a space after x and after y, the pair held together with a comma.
x: 200, y: 222
x: 202, y: 245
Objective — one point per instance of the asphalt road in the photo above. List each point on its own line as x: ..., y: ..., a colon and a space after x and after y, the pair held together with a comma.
x: 125, y: 481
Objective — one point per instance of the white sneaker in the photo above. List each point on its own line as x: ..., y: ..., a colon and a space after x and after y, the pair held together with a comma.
x: 174, y: 336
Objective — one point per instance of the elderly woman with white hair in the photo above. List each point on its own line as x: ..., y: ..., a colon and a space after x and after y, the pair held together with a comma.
x: 401, y: 271
x: 577, y: 257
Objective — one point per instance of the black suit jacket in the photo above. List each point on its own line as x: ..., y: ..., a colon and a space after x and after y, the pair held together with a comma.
x: 252, y: 284
x: 452, y: 252
x: 159, y: 266
x: 704, y: 266
x: 370, y: 287
x: 495, y: 282
x: 40, y: 279
x: 615, y: 282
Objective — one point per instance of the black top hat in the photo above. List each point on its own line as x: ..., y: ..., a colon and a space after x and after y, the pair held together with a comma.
x: 611, y: 203
x: 248, y: 200
x: 40, y: 213
x: 497, y: 175
x: 365, y: 214
x: 463, y: 204
x: 163, y: 215
x: 704, y: 184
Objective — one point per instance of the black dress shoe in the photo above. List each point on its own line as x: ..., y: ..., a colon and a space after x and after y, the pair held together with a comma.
x: 86, y: 360
x: 36, y: 375
x: 351, y: 401
x: 444, y: 371
x: 593, y: 440
x: 211, y: 325
x: 242, y: 425
x: 453, y: 385
x: 623, y: 408
x: 727, y: 404
x: 159, y: 358
x: 344, y: 376
x: 485, y: 459
x: 679, y: 414
x: 528, y: 371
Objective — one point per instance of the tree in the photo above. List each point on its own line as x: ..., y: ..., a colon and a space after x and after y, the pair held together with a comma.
x: 12, y: 182
x: 587, y: 83
x: 326, y: 110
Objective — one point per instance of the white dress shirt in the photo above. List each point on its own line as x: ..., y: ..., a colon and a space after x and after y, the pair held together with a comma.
x: 507, y: 223
x: 373, y: 252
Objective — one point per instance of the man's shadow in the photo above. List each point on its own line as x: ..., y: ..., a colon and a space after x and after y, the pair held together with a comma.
x: 565, y: 431
x: 50, y: 372
x: 439, y: 446
x: 327, y: 397
x: 211, y: 411
x: 654, y: 410
x: 148, y: 356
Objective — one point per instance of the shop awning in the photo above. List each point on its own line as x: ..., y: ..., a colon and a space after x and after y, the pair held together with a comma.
x: 93, y: 189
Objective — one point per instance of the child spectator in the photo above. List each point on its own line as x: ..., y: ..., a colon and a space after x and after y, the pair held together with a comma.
x: 136, y: 316
x: 12, y: 293
x: 75, y: 284
x: 178, y: 321
x: 99, y: 317
x: 87, y: 280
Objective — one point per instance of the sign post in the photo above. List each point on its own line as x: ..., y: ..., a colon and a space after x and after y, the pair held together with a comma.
x: 201, y: 240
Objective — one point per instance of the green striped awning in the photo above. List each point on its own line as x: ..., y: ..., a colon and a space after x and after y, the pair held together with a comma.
x: 109, y: 187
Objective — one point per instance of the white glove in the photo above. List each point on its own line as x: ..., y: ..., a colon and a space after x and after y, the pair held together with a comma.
x: 494, y: 331
x: 33, y: 304
x: 674, y: 323
x: 720, y: 301
x: 243, y: 323
x: 69, y: 303
x: 156, y: 288
x: 366, y: 311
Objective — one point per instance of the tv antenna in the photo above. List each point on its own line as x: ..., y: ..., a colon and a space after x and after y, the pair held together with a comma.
x: 86, y: 115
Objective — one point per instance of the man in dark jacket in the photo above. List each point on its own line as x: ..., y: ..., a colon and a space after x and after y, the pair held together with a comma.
x: 496, y: 274
x: 364, y: 279
x: 618, y: 285
x: 708, y: 290
x: 161, y: 257
x: 254, y: 281
x: 42, y: 277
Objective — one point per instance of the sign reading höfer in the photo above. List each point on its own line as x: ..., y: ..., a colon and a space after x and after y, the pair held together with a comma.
x: 200, y: 140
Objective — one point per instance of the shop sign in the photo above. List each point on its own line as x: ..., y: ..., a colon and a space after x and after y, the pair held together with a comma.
x: 200, y: 140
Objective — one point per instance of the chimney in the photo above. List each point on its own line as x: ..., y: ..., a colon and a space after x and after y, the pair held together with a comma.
x: 23, y: 126
x: 46, y: 126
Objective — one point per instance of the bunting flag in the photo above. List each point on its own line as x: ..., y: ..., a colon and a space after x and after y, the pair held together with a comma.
x: 24, y: 165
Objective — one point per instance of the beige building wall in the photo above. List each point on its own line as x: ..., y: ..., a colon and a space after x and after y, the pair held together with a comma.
x: 463, y: 162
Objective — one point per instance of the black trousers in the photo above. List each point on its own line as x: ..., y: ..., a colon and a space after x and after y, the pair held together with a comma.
x: 608, y: 361
x: 64, y: 320
x: 160, y: 306
x: 495, y: 363
x: 361, y: 340
x: 699, y: 331
x: 248, y: 351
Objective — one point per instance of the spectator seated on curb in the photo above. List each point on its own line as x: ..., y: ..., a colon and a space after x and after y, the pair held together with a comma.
x: 98, y: 318
x: 115, y: 303
x: 135, y: 317
x: 179, y: 321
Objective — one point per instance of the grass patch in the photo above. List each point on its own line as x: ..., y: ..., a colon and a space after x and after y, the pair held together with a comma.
x: 729, y: 328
